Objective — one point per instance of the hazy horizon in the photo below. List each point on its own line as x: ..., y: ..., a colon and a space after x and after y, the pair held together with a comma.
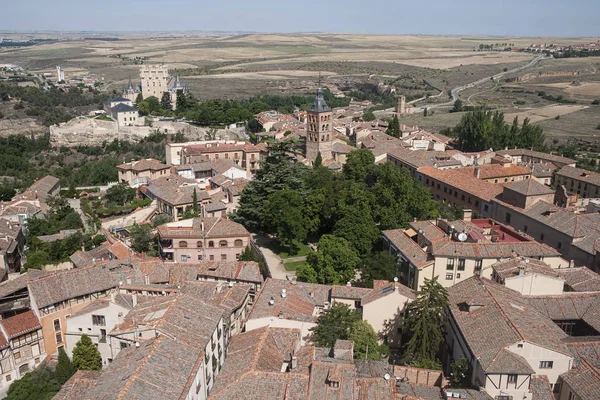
x: 535, y: 18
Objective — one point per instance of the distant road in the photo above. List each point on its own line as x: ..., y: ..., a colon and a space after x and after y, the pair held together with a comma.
x: 455, y: 91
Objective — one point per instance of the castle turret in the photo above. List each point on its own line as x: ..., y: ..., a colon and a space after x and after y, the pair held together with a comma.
x: 319, y: 129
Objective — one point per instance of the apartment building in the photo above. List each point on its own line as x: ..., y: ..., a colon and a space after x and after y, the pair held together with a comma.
x: 12, y: 244
x: 501, y: 172
x: 21, y: 346
x: 203, y: 239
x: 247, y: 156
x: 506, y: 340
x: 95, y: 320
x: 584, y: 183
x: 531, y: 209
x: 460, y: 189
x: 454, y: 251
x: 139, y: 172
x: 519, y: 156
x: 297, y: 305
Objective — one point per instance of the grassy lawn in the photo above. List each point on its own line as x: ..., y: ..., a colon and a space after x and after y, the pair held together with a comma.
x: 301, y: 249
x: 292, y: 266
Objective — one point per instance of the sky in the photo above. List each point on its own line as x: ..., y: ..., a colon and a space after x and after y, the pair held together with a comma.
x: 555, y: 18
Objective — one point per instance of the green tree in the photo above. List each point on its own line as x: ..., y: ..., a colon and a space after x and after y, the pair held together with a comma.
x: 425, y: 112
x: 195, y: 207
x: 284, y: 214
x: 334, y: 262
x: 458, y: 106
x: 165, y: 101
x: 141, y: 237
x: 425, y: 322
x: 380, y: 266
x: 394, y: 127
x: 461, y: 373
x: 139, y: 98
x: 334, y: 324
x: 366, y: 344
x: 153, y: 104
x: 39, y: 384
x: 182, y: 101
x: 160, y: 219
x: 318, y: 160
x: 86, y: 356
x: 120, y: 194
x: 368, y: 115
x: 358, y: 228
x: 359, y: 164
x: 7, y: 193
x: 64, y: 368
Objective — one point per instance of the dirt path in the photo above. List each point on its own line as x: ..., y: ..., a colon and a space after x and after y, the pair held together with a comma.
x: 274, y: 262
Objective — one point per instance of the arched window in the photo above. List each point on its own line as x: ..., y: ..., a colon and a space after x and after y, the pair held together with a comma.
x: 238, y: 243
x: 223, y: 243
x: 323, y: 127
x: 211, y: 244
x: 183, y: 243
x: 199, y: 244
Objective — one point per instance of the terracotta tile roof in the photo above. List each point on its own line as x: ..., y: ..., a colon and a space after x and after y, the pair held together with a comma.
x: 349, y: 292
x: 228, y: 298
x: 542, y: 170
x: 500, y: 318
x: 584, y: 381
x: 529, y: 187
x: 198, y: 149
x: 579, y: 174
x: 387, y: 290
x: 536, y: 154
x: 509, y: 268
x: 468, y: 184
x: 491, y: 171
x: 148, y: 164
x: 571, y: 305
x: 420, y: 158
x: 120, y: 250
x: 175, y: 190
x: 58, y: 236
x: 63, y: 285
x: 208, y: 227
x: 20, y: 324
x: 78, y: 385
x: 412, y: 251
x: 540, y: 388
x: 86, y: 258
x: 299, y: 303
x: 580, y: 279
x: 42, y: 187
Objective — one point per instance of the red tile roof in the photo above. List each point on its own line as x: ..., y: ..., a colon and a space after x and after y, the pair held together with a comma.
x: 469, y: 184
x: 20, y: 324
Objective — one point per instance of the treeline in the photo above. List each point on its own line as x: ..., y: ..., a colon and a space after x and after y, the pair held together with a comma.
x: 54, y: 105
x: 484, y: 129
x: 221, y: 112
x: 344, y: 212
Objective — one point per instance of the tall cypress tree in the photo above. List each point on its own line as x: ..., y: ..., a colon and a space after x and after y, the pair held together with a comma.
x: 195, y: 207
x: 318, y: 160
x: 425, y: 323
x: 64, y: 368
x: 86, y: 356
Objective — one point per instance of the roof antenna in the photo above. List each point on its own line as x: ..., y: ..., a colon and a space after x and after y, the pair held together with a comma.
x: 319, y: 81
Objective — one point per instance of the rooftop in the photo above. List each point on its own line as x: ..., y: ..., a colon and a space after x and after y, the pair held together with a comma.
x: 208, y: 227
x: 529, y: 187
x: 467, y: 183
x: 580, y: 279
x: 491, y: 171
x: 579, y: 174
x: 514, y: 266
x: 319, y: 105
x: 536, y: 154
x: 148, y: 164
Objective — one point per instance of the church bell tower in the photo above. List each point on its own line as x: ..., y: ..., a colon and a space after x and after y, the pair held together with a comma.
x: 319, y: 129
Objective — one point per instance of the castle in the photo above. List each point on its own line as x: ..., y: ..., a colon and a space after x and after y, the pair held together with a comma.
x: 155, y: 80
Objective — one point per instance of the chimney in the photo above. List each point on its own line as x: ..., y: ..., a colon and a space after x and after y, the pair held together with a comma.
x: 477, y: 172
x: 134, y: 300
x: 521, y: 271
x: 113, y: 296
x: 294, y: 364
x: 467, y: 214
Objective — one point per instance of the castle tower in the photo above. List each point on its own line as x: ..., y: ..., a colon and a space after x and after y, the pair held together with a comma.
x: 319, y: 129
x: 155, y: 80
x: 401, y: 109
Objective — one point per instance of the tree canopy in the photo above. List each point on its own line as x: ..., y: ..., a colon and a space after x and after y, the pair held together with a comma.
x: 142, y: 238
x: 284, y: 214
x: 424, y: 324
x: 40, y: 384
x: 366, y: 343
x: 334, y: 262
x: 86, y: 355
x: 64, y: 367
x: 484, y: 129
x: 334, y: 324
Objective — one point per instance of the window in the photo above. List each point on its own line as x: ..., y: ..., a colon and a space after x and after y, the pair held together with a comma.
x: 211, y: 244
x: 520, y: 346
x: 123, y: 345
x: 512, y: 378
x: 98, y: 320
x: 546, y: 364
x: 458, y: 275
x: 199, y: 244
x: 199, y: 257
x: 212, y: 257
x: 542, y: 236
x: 449, y: 277
x: 571, y: 395
x: 485, y: 207
x: 17, y: 355
x: 35, y: 350
x: 183, y: 257
x: 559, y: 245
x: 238, y: 243
x: 507, y: 218
x: 461, y: 264
x: 503, y: 397
x: 182, y: 243
x: 223, y: 243
x: 223, y: 257
x: 58, y: 337
x: 445, y: 189
x: 8, y: 378
x: 525, y: 228
x: 478, y: 263
x: 57, y: 324
x: 450, y: 264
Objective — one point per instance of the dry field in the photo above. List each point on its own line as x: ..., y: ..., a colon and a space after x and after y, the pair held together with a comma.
x: 547, y: 112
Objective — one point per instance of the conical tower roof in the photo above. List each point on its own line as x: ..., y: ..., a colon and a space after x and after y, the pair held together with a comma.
x: 319, y: 104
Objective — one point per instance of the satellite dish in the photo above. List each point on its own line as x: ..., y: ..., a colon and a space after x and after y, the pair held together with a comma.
x: 462, y: 237
x: 386, y: 377
x: 395, y: 279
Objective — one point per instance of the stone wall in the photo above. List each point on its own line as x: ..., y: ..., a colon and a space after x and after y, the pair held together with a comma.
x: 87, y: 131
